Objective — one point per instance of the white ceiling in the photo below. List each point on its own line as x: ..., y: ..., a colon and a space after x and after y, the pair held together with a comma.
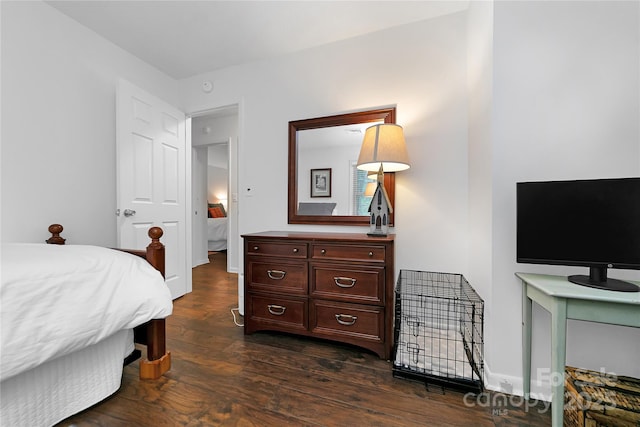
x: 186, y: 38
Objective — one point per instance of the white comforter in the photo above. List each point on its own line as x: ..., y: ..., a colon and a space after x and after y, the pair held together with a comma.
x: 217, y: 229
x: 57, y: 299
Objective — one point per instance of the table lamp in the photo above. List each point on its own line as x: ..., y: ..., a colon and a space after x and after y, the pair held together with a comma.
x: 383, y: 150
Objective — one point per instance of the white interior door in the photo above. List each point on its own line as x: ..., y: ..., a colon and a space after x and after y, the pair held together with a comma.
x: 151, y: 179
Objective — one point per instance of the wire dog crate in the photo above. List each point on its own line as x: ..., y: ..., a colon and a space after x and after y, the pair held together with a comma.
x: 439, y: 332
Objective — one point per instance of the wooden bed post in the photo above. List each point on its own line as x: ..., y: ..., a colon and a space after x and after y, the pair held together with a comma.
x: 158, y: 359
x: 151, y: 334
x: 155, y: 250
x: 55, y: 239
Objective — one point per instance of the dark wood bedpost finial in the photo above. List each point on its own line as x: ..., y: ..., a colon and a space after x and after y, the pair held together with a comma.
x: 155, y: 250
x: 55, y: 239
x: 155, y: 233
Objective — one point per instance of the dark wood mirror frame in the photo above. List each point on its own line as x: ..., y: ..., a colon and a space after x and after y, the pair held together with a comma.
x: 388, y: 115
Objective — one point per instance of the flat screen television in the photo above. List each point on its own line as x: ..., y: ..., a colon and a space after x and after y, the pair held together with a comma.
x: 590, y: 223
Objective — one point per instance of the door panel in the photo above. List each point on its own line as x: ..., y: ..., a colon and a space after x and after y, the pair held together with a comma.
x: 142, y: 172
x: 171, y: 167
x: 151, y: 178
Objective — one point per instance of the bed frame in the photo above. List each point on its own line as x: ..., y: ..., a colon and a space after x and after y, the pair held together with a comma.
x: 152, y: 333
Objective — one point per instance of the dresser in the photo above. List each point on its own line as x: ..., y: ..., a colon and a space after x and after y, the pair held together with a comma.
x: 336, y: 286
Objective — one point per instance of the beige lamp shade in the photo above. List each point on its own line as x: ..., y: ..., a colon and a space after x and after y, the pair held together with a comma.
x: 383, y: 145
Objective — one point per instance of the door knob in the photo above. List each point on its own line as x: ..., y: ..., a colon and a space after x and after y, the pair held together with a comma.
x: 129, y: 212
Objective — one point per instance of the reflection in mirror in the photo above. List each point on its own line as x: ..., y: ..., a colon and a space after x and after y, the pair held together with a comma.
x: 325, y: 187
x: 335, y: 148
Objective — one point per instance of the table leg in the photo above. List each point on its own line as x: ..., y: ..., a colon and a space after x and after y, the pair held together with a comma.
x: 558, y: 358
x: 526, y: 342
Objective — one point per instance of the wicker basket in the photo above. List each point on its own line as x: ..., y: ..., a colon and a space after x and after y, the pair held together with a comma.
x: 595, y: 399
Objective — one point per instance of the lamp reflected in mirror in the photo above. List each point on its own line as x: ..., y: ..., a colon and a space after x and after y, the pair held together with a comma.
x: 370, y: 189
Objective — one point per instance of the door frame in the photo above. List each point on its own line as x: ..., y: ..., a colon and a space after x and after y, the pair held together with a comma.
x: 234, y: 260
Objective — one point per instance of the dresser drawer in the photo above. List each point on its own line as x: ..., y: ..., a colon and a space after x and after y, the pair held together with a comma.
x: 341, y: 319
x: 347, y: 283
x: 276, y: 310
x: 280, y: 249
x: 277, y: 276
x: 369, y: 253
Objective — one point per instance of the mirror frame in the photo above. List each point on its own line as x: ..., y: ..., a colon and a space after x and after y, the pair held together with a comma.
x: 388, y: 115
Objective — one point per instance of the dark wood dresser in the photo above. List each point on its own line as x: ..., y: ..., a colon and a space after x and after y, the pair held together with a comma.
x: 337, y: 286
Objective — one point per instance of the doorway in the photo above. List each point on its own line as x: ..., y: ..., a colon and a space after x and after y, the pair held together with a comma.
x: 214, y: 139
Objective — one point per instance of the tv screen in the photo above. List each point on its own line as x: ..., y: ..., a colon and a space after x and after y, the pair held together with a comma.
x: 590, y: 223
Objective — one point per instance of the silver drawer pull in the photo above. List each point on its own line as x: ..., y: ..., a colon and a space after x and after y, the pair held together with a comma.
x: 295, y: 250
x: 276, y: 310
x: 255, y: 248
x: 323, y: 251
x: 344, y: 282
x: 276, y: 274
x: 371, y: 253
x: 345, y: 322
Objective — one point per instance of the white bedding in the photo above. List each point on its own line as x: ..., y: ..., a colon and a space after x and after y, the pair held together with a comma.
x: 58, y: 299
x: 59, y: 388
x: 217, y: 233
x: 217, y: 228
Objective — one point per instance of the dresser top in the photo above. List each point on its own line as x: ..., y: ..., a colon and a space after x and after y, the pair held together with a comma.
x: 304, y: 235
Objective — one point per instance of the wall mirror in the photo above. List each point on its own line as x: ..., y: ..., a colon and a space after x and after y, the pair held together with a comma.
x: 324, y: 185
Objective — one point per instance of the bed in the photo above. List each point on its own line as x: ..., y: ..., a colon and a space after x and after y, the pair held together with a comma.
x: 311, y: 208
x: 70, y: 316
x: 217, y: 227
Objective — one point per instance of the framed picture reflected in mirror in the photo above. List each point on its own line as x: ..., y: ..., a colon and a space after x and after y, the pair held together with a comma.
x: 321, y: 182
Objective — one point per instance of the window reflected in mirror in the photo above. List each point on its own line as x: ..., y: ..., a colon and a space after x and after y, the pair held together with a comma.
x: 361, y: 190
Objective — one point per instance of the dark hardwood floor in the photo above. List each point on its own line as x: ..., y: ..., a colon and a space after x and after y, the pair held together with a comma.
x: 220, y: 376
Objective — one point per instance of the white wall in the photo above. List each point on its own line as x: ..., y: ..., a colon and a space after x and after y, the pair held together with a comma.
x: 565, y: 106
x: 422, y: 72
x: 218, y: 174
x: 58, y: 124
x: 480, y: 87
x: 213, y: 128
x: 217, y: 185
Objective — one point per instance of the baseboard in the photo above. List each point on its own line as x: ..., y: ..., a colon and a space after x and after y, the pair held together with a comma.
x: 200, y: 262
x: 512, y: 385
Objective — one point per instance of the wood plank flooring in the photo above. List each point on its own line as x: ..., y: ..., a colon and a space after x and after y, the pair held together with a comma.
x: 222, y: 377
